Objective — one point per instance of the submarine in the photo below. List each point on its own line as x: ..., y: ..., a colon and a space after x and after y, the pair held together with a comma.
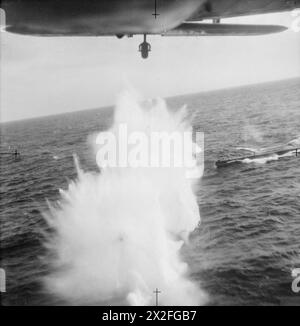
x: 259, y: 155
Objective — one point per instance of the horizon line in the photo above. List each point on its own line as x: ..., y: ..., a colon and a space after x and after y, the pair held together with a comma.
x: 166, y: 98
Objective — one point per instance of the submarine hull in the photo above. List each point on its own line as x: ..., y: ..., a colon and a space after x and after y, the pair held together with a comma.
x: 223, y: 163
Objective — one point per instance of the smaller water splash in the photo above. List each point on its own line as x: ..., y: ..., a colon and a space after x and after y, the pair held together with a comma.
x: 263, y: 160
x: 271, y: 157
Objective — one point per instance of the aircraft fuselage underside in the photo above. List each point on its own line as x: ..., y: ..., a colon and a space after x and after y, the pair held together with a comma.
x: 96, y: 18
x: 130, y: 17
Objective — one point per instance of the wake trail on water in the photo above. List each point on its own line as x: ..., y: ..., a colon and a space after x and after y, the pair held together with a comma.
x: 273, y: 156
x: 117, y: 234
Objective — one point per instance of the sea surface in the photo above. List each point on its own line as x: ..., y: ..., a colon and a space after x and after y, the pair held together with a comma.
x: 248, y: 242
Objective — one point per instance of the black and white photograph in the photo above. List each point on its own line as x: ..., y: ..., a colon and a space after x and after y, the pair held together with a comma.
x: 149, y: 155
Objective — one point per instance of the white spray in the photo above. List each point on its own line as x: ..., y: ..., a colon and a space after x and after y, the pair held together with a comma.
x: 118, y: 233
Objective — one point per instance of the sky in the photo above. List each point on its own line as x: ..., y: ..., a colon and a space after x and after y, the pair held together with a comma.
x: 44, y: 76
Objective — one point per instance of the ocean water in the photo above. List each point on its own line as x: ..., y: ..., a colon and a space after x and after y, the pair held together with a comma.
x: 248, y: 241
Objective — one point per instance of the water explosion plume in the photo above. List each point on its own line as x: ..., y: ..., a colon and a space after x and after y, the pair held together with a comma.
x: 118, y: 233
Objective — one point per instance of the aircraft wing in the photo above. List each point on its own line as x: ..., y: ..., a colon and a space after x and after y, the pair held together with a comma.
x: 201, y: 29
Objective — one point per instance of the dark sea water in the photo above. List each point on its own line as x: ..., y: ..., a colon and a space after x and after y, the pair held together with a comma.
x: 249, y: 238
